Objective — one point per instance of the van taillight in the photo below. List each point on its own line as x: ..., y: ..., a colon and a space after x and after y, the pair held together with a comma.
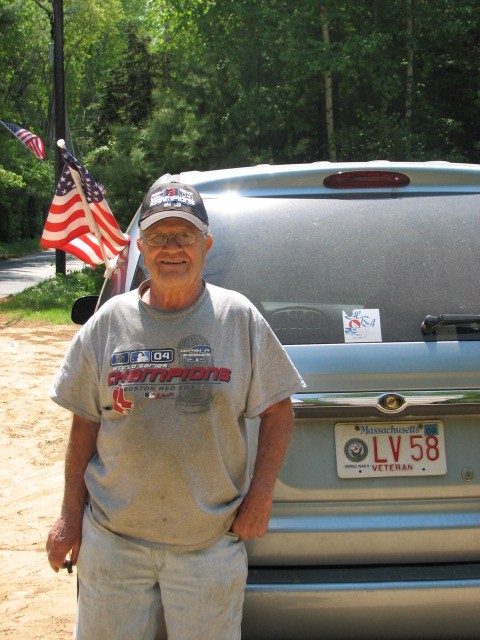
x: 366, y: 180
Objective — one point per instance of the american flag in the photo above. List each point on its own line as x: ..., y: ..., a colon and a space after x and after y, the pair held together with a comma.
x: 68, y: 226
x: 32, y: 141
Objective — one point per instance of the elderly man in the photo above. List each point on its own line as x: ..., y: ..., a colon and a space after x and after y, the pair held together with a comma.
x: 157, y: 499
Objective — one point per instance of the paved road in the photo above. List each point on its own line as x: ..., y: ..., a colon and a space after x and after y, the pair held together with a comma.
x: 18, y: 274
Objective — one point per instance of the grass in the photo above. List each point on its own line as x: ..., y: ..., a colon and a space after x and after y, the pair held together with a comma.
x: 19, y: 249
x: 51, y: 301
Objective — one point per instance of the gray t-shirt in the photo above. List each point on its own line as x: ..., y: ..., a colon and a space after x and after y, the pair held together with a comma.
x: 171, y: 392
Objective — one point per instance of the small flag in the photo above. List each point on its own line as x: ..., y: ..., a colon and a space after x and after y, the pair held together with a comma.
x: 32, y: 141
x: 79, y: 220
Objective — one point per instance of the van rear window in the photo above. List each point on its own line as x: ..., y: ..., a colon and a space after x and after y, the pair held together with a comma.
x: 308, y: 263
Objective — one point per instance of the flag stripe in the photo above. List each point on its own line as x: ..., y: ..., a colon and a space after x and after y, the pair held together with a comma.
x: 88, y: 247
x: 85, y: 250
x: 63, y: 204
x: 56, y: 239
x: 63, y: 219
x: 108, y: 224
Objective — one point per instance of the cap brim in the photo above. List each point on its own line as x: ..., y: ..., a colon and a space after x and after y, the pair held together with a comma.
x: 169, y: 213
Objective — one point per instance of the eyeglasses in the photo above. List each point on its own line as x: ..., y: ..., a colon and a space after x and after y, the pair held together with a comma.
x: 184, y: 238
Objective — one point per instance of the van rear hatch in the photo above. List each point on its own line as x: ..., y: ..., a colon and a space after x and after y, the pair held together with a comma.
x: 384, y: 465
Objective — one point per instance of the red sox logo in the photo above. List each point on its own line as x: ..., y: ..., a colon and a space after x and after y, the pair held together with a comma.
x: 120, y: 403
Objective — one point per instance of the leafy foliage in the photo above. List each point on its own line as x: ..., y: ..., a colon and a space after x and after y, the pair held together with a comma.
x: 164, y: 86
x: 51, y: 300
x: 19, y: 248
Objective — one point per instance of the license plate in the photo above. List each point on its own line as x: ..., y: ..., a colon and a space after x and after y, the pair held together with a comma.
x: 379, y: 450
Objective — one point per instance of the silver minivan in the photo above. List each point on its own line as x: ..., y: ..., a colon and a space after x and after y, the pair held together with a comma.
x: 367, y: 273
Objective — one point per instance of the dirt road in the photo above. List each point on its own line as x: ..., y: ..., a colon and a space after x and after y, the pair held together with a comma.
x: 34, y: 601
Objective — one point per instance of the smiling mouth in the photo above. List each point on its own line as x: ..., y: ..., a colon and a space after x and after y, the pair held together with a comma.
x: 172, y: 261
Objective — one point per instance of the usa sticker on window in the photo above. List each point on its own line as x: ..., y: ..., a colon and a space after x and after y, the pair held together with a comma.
x: 362, y: 325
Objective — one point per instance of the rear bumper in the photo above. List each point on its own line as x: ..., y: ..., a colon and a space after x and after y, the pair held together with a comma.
x: 404, y: 601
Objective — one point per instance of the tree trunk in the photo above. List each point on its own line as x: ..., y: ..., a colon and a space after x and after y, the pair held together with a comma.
x: 327, y: 80
x: 410, y: 54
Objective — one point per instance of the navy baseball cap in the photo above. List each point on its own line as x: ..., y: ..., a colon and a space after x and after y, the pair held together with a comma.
x: 173, y: 200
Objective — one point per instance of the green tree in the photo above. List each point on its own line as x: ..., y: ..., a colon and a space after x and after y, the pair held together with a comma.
x: 93, y: 42
x: 127, y: 88
x: 24, y: 101
x: 162, y: 85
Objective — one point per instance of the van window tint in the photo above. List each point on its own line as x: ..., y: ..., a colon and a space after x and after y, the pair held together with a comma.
x: 304, y: 261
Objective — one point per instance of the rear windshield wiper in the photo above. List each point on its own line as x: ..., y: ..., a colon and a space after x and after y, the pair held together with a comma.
x: 432, y: 323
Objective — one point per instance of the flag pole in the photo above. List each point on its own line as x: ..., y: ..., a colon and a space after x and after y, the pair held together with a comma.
x: 59, y: 97
x: 88, y: 214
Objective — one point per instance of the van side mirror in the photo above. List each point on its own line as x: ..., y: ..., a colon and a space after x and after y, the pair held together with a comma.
x: 83, y: 308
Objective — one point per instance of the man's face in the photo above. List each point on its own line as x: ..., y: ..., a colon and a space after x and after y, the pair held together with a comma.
x: 174, y: 267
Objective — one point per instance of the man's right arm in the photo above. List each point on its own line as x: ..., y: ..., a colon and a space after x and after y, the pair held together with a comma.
x: 65, y: 535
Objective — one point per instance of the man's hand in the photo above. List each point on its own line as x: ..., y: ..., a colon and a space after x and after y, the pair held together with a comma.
x: 276, y: 427
x: 65, y: 537
x: 253, y: 515
x: 64, y: 541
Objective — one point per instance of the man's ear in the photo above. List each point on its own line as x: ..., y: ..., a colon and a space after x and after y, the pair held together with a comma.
x: 209, y: 240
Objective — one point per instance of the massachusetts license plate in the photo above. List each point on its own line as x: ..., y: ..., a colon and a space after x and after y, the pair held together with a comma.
x: 379, y: 450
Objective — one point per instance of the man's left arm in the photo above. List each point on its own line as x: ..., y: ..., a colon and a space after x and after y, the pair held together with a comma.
x: 276, y: 428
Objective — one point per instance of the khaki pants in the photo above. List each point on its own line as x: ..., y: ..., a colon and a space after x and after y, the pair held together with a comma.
x: 131, y: 592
